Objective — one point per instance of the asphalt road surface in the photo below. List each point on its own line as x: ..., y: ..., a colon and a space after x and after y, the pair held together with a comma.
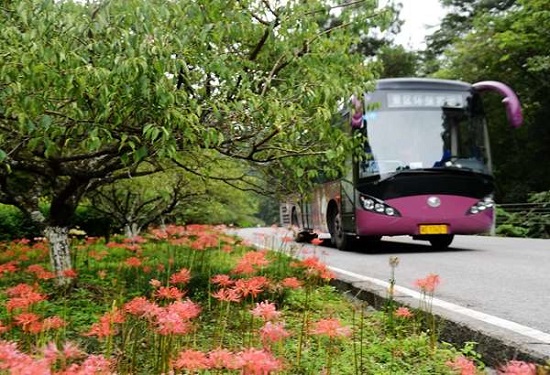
x: 502, y: 282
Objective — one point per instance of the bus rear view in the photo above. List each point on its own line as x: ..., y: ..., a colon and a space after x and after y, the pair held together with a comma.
x: 426, y: 169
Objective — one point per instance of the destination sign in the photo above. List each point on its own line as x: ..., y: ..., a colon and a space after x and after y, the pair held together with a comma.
x: 425, y: 99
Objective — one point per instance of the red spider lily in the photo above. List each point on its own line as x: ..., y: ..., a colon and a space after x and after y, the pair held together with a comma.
x: 273, y: 332
x: 224, y: 359
x: 141, y: 307
x: 133, y: 262
x: 266, y: 311
x: 403, y: 312
x: 9, y: 267
x: 518, y: 368
x: 169, y: 292
x: 20, y: 290
x: 191, y: 360
x: 227, y: 248
x: 22, y: 296
x: 222, y: 280
x: 3, y: 328
x: 29, y: 322
x: 462, y: 365
x: 106, y: 325
x: 228, y: 295
x: 155, y: 283
x: 52, y: 323
x: 94, y: 364
x: 40, y: 272
x: 70, y: 273
x: 291, y: 283
x: 69, y: 350
x: 171, y: 323
x: 185, y: 309
x: 315, y: 268
x: 250, y: 262
x: 134, y: 240
x: 428, y: 284
x: 331, y: 328
x: 181, y: 277
x: 251, y: 287
x: 259, y: 362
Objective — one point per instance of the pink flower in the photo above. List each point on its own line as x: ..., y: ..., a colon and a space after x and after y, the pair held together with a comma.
x: 403, y: 312
x: 462, y: 365
x: 106, y: 325
x: 250, y: 262
x: 169, y: 293
x: 141, y: 307
x: 53, y: 322
x: 331, y: 328
x: 223, y: 358
x: 171, y: 323
x: 291, y: 283
x: 133, y: 262
x: 154, y: 282
x: 251, y: 287
x: 191, y: 360
x: 428, y: 284
x: 181, y: 277
x: 273, y: 332
x: 266, y: 311
x: 96, y: 364
x: 70, y: 273
x: 29, y: 322
x: 228, y: 295
x: 259, y: 362
x: 315, y: 268
x: 185, y: 309
x: 222, y: 280
x: 518, y: 368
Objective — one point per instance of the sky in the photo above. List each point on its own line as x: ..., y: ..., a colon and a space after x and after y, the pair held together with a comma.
x: 418, y: 15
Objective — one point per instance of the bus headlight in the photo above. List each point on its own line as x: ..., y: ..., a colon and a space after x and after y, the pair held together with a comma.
x: 377, y: 206
x: 481, y: 206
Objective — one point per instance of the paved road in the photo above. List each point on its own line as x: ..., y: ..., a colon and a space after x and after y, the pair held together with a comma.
x: 507, y: 279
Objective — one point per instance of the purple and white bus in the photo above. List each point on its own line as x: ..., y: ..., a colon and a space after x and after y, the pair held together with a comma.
x: 425, y: 172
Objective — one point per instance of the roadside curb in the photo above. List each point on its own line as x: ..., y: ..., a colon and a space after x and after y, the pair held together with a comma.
x: 496, y: 345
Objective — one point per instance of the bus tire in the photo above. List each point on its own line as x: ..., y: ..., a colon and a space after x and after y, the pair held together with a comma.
x: 441, y: 241
x: 338, y: 236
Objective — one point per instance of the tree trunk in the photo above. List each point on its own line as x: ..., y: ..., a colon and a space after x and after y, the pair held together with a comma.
x: 60, y: 255
x: 132, y: 230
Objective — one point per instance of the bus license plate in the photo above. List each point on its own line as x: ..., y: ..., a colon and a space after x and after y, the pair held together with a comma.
x: 433, y: 229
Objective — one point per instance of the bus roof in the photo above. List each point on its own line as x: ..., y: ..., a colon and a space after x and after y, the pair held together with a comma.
x: 421, y: 83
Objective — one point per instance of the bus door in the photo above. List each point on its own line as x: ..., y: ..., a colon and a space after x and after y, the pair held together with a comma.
x: 347, y: 198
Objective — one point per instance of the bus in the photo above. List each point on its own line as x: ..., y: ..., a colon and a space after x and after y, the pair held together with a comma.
x: 425, y: 169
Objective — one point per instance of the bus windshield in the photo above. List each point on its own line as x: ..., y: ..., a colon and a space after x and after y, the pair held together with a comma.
x: 408, y: 138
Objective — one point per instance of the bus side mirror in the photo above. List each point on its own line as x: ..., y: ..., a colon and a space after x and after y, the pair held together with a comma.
x: 511, y: 101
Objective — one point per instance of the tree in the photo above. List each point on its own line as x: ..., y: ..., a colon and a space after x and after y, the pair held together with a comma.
x: 456, y: 24
x: 91, y: 93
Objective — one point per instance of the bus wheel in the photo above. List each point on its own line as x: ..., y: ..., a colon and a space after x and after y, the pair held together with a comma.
x: 338, y: 237
x: 441, y: 241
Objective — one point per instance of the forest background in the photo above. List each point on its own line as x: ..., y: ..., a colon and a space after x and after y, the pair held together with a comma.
x: 118, y: 115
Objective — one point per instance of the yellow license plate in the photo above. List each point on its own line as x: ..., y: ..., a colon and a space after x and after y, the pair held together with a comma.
x: 433, y: 229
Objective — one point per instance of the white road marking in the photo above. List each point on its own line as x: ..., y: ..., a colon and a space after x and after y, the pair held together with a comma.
x: 540, y: 336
